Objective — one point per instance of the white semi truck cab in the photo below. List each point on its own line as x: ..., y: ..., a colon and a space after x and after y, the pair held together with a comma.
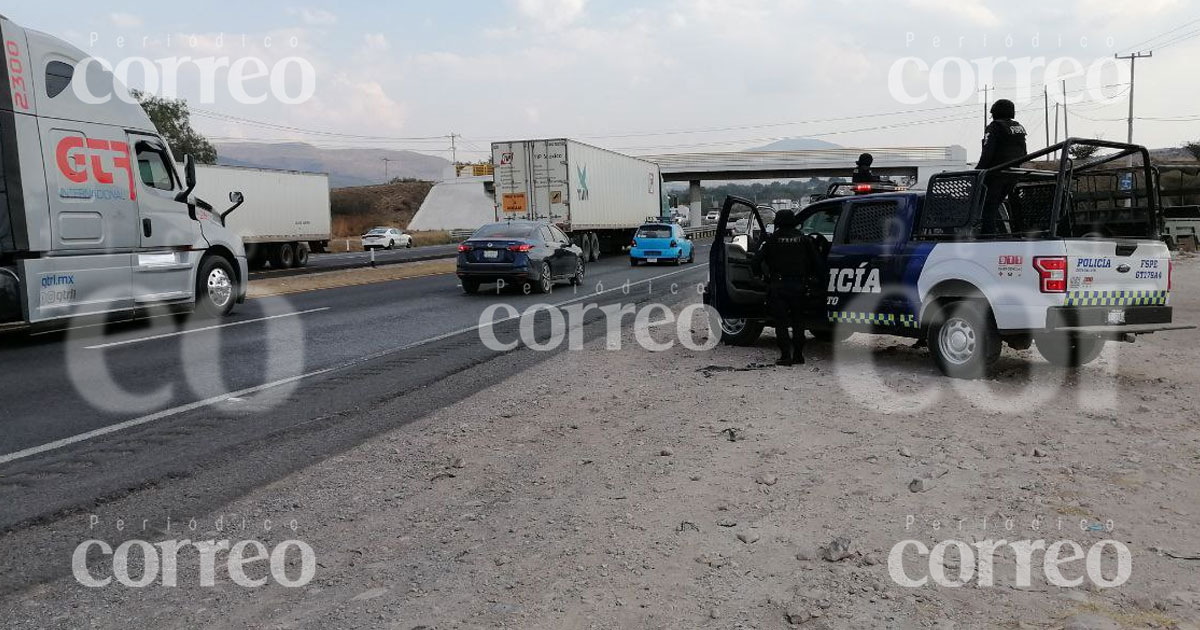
x: 95, y: 221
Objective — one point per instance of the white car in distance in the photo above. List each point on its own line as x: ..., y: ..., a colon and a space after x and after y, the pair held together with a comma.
x: 386, y: 238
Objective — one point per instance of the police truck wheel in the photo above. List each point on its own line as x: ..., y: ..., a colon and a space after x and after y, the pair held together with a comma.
x: 740, y: 332
x: 216, y: 288
x: 283, y: 257
x: 1069, y: 351
x: 301, y: 255
x: 963, y: 340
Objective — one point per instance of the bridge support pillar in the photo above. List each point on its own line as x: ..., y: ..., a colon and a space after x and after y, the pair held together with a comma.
x: 696, y: 204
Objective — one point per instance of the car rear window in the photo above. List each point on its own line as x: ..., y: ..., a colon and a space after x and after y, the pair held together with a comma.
x: 503, y: 230
x: 655, y: 231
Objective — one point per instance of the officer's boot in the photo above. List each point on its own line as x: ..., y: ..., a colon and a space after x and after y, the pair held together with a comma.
x: 785, y: 347
x: 798, y: 348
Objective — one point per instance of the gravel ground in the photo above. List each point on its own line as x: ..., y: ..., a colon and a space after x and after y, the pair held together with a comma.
x: 681, y: 489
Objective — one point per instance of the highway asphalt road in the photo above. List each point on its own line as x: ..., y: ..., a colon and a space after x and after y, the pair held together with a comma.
x: 350, y: 260
x: 93, y: 417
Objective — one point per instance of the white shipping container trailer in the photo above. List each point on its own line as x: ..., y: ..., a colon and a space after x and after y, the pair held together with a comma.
x: 599, y: 197
x: 285, y: 215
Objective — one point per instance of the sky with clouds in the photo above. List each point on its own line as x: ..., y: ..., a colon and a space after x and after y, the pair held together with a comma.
x: 657, y: 76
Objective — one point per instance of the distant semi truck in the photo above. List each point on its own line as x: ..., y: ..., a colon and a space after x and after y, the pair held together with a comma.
x: 598, y: 197
x: 286, y: 214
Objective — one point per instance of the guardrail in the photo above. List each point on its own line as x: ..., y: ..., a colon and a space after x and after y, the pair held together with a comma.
x: 461, y: 235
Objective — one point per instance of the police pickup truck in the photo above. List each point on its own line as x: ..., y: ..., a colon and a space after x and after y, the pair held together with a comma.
x: 1071, y: 258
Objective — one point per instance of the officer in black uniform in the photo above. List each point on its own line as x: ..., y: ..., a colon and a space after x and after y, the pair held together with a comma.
x: 862, y: 170
x: 791, y: 264
x: 1003, y: 141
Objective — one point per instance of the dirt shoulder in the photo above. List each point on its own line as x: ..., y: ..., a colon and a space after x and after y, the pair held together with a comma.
x: 680, y: 489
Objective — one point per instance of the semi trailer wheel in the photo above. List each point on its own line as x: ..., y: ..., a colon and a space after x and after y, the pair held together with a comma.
x: 283, y: 257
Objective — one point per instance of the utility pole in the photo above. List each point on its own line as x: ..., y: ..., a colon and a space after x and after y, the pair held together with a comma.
x: 1066, y: 125
x: 454, y: 147
x: 1056, y: 124
x: 1133, y: 57
x: 985, y: 108
x: 385, y: 169
x: 1046, y: 102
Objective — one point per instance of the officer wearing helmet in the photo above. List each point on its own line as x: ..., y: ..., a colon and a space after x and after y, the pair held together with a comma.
x: 1003, y: 141
x: 862, y: 170
x: 1004, y: 138
x: 791, y: 264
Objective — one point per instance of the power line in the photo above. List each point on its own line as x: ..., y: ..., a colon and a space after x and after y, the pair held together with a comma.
x: 279, y: 127
x: 1139, y: 46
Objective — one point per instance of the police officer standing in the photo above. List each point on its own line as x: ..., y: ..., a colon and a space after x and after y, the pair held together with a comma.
x: 1003, y: 141
x: 791, y: 264
x: 862, y: 170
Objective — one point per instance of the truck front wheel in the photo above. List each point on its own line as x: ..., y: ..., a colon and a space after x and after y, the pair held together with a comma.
x: 1069, y: 351
x: 963, y: 340
x: 216, y: 288
x: 740, y: 332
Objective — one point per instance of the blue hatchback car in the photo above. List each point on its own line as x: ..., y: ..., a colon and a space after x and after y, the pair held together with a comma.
x: 661, y: 242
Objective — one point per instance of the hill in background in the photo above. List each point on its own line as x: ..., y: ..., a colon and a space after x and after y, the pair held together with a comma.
x: 346, y: 167
x: 358, y: 209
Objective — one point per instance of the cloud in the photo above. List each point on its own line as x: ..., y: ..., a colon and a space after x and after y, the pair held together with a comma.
x: 972, y: 11
x: 313, y: 17
x: 125, y: 20
x: 376, y: 42
x: 551, y: 14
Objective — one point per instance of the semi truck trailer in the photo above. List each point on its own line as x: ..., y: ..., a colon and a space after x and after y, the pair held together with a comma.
x: 286, y: 214
x: 598, y: 197
x: 95, y: 219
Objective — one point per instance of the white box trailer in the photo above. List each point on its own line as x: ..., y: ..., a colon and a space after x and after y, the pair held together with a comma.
x: 599, y: 197
x: 285, y: 214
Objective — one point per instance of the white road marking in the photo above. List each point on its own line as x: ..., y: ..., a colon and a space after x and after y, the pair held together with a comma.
x: 120, y: 426
x: 200, y: 404
x: 196, y: 330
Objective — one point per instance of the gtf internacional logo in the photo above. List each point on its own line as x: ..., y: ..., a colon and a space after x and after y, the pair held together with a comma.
x: 81, y: 163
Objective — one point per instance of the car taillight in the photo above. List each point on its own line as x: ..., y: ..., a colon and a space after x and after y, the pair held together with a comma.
x: 520, y: 248
x: 1053, y: 272
x: 674, y: 244
x: 634, y: 243
x: 464, y: 248
x: 862, y: 188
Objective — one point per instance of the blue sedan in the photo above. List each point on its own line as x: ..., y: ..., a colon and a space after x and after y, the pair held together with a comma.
x: 661, y: 242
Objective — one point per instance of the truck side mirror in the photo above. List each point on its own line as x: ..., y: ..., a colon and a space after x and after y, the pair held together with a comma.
x: 189, y: 180
x: 189, y: 171
x: 236, y: 198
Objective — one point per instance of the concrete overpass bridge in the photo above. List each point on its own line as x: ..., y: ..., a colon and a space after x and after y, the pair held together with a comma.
x: 913, y: 165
